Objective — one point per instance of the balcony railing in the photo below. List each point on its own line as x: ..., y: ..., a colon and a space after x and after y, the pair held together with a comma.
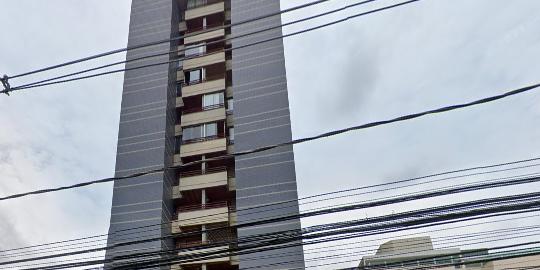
x: 198, y: 81
x: 203, y: 139
x: 198, y: 207
x: 201, y: 3
x: 204, y: 27
x: 206, y: 52
x: 192, y: 244
x: 201, y: 172
x: 205, y: 108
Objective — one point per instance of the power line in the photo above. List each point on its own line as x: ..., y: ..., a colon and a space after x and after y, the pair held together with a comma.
x: 323, y: 194
x: 514, y: 232
x: 115, y: 233
x: 489, y: 183
x: 207, y: 43
x: 515, y: 199
x: 225, y: 50
x: 153, y: 43
x: 110, y: 260
x: 273, y: 243
x: 512, y: 255
x: 293, y: 142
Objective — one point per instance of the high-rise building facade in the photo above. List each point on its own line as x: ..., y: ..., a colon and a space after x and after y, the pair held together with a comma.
x: 223, y: 95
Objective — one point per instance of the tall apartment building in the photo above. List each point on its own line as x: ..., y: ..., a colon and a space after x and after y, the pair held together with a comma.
x: 212, y: 103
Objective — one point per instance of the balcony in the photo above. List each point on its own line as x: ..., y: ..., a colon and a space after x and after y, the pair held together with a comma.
x: 206, y: 34
x: 203, y: 115
x: 201, y: 214
x: 205, y: 9
x: 203, y: 87
x: 209, y: 58
x: 225, y: 258
x: 213, y: 177
x: 204, y: 146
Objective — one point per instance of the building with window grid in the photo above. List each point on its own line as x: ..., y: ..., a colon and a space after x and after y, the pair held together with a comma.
x: 213, y: 101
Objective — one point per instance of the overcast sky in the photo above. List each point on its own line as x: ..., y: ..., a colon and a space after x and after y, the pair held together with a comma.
x: 422, y: 56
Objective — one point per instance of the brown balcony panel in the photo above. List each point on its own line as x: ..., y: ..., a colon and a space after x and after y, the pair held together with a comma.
x: 204, y: 216
x: 202, y: 148
x: 203, y: 181
x: 204, y: 87
x: 177, y: 130
x: 204, y: 35
x: 179, y: 102
x: 204, y: 60
x: 176, y: 193
x: 180, y: 75
x: 207, y: 116
x: 177, y: 160
x: 223, y: 259
x: 204, y: 10
x: 182, y: 26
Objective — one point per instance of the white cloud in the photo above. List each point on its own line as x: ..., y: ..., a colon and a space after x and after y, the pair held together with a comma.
x: 418, y: 57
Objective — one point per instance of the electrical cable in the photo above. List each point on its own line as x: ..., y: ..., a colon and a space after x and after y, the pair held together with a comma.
x: 255, y: 248
x: 177, y: 51
x: 496, y: 209
x: 462, y: 188
x: 56, y: 250
x: 293, y: 142
x: 225, y: 50
x: 371, y: 204
x: 466, y: 236
x: 153, y: 43
x: 330, y: 193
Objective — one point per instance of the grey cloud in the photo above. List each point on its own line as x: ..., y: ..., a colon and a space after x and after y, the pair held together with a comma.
x: 9, y: 235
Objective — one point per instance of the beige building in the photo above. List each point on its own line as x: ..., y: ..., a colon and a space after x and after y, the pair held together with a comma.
x: 411, y: 253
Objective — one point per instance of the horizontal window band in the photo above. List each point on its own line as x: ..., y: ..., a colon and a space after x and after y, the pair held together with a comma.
x: 268, y: 193
x: 134, y: 204
x: 264, y: 165
x: 269, y: 185
x: 261, y: 129
x: 141, y: 135
x: 135, y: 212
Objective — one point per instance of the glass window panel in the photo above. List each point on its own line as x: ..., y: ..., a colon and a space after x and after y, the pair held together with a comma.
x: 187, y: 134
x: 195, y: 76
x: 221, y: 98
x: 196, y: 49
x: 192, y: 133
x: 231, y: 134
x: 230, y: 104
x: 208, y: 100
x: 211, y: 130
x: 213, y: 99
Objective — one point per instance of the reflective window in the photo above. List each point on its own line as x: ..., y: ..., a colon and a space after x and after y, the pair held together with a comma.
x: 230, y: 105
x: 212, y: 100
x: 198, y: 132
x: 195, y: 76
x: 210, y: 130
x: 194, y: 50
x: 231, y: 134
